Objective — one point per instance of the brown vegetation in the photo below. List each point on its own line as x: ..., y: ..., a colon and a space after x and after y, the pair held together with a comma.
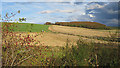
x: 48, y: 23
x: 85, y: 24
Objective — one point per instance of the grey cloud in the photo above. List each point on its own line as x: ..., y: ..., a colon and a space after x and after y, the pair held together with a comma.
x: 107, y: 14
x: 79, y: 18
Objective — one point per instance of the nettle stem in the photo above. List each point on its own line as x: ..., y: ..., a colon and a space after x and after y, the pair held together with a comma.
x: 13, y: 60
x: 23, y: 60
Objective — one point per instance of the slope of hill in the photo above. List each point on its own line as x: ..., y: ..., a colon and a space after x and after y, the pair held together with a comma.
x: 85, y: 24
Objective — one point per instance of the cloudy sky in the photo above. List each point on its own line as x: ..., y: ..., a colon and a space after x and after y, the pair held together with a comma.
x: 41, y: 11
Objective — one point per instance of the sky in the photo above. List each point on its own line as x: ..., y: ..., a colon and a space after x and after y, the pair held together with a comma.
x: 41, y: 11
x: 59, y: 0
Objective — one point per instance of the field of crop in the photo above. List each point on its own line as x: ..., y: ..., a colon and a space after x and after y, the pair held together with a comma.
x: 79, y: 31
x: 53, y: 45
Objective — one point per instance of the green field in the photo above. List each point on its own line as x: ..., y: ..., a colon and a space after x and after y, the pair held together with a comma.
x: 28, y: 27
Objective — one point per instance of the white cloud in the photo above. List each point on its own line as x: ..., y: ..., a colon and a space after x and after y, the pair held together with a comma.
x: 22, y: 21
x: 94, y: 6
x: 83, y: 13
x: 93, y: 12
x: 68, y: 11
x: 46, y: 11
x: 58, y: 10
x: 91, y: 15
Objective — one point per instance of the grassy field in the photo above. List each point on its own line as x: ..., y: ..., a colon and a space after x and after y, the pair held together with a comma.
x: 28, y: 27
x: 60, y: 46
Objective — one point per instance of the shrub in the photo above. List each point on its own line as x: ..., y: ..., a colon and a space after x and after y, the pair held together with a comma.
x: 48, y: 23
x: 16, y: 49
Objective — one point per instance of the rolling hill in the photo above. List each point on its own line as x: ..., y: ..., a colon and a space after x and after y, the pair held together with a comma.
x: 85, y: 24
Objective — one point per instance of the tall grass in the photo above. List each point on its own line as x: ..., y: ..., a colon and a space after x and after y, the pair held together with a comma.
x: 75, y: 55
x: 89, y: 54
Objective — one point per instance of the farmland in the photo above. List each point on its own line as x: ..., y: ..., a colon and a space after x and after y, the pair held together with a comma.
x: 55, y: 35
x: 27, y: 27
x: 63, y: 42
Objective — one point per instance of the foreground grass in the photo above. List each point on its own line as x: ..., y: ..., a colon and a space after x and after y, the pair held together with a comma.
x: 82, y: 54
x: 44, y: 58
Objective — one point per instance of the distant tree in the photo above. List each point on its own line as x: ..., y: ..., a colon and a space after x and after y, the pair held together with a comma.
x: 22, y: 19
x: 57, y: 23
x: 48, y: 23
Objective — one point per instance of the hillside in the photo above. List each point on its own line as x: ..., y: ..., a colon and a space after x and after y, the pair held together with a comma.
x: 85, y: 24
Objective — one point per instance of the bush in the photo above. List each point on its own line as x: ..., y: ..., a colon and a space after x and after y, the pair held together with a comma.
x: 16, y: 49
x: 48, y: 23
